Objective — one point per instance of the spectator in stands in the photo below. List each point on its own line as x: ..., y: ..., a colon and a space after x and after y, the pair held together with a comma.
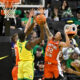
x: 39, y: 71
x: 38, y: 57
x: 76, y: 64
x: 48, y: 9
x: 72, y: 57
x: 55, y: 16
x: 65, y: 10
x: 45, y: 12
x: 69, y: 68
x: 25, y: 19
x: 22, y: 13
x: 42, y: 45
x: 16, y: 22
x: 77, y: 20
x: 63, y: 66
x: 77, y: 38
x: 33, y: 35
x: 78, y: 17
x: 23, y: 2
x: 69, y: 64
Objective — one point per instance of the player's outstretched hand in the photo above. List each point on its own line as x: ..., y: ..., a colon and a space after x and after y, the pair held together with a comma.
x: 67, y: 30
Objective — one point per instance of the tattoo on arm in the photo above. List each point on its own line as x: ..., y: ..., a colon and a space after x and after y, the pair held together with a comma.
x: 48, y: 33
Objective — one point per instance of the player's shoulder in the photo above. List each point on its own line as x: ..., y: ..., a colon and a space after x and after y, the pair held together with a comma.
x: 50, y: 39
x: 62, y: 44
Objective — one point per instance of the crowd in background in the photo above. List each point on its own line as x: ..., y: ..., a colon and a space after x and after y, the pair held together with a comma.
x: 55, y: 14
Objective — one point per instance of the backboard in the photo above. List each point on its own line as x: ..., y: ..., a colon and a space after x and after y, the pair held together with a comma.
x: 28, y: 3
x: 11, y: 1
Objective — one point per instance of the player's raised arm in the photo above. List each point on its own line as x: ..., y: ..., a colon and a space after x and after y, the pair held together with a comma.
x: 36, y: 41
x: 67, y: 43
x: 29, y: 26
x: 48, y: 33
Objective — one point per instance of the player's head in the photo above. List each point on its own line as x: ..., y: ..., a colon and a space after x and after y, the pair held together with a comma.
x: 65, y: 3
x: 78, y: 13
x: 27, y: 14
x: 58, y: 36
x: 14, y: 38
x: 21, y: 36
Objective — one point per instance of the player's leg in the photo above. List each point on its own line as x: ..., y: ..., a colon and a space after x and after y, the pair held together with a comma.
x: 48, y: 75
x: 55, y: 71
x: 56, y: 74
x: 59, y: 78
x: 28, y: 70
x: 15, y: 72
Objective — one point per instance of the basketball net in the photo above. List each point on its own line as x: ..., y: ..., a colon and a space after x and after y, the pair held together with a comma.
x: 9, y: 9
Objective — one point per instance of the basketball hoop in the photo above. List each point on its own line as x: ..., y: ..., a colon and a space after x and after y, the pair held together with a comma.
x: 9, y: 8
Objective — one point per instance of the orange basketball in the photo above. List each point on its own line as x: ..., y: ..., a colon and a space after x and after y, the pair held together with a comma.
x: 40, y: 19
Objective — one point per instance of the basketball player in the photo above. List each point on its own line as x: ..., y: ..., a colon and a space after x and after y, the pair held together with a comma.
x: 54, y: 45
x: 15, y: 38
x: 26, y: 65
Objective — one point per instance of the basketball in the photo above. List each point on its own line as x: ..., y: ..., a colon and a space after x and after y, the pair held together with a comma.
x: 40, y: 19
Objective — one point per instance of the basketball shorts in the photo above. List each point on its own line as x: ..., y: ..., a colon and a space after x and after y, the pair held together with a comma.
x: 51, y: 71
x: 25, y: 70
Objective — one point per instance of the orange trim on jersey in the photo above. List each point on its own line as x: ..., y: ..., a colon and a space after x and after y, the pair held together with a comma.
x: 17, y: 54
x: 15, y: 73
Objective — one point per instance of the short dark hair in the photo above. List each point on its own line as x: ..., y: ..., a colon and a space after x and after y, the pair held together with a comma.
x: 78, y: 10
x: 13, y: 37
x: 21, y: 36
x: 39, y: 49
x: 67, y: 4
